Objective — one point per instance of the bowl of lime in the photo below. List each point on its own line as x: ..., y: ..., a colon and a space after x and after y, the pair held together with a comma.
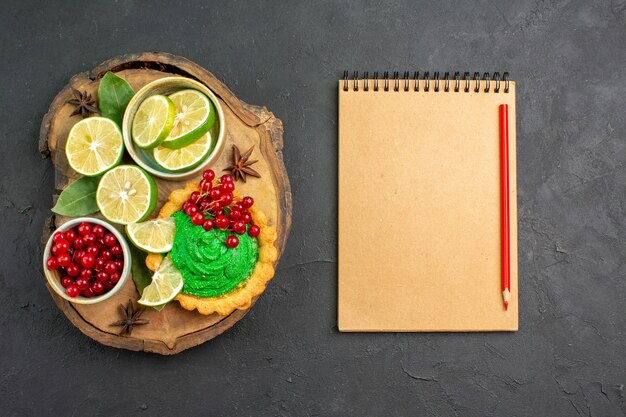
x: 173, y: 128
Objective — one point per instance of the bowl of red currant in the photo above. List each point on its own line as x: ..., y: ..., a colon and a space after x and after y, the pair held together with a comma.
x: 86, y: 260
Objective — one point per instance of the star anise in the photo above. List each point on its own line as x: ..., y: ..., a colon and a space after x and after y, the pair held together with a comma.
x: 131, y: 318
x: 241, y: 165
x: 84, y: 103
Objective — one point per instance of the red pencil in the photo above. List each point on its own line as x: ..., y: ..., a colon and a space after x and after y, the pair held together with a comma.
x: 504, y: 204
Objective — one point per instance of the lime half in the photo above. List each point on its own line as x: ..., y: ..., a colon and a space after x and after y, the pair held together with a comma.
x: 126, y: 194
x: 195, y: 114
x: 153, y: 236
x: 94, y: 145
x: 153, y: 121
x: 166, y: 284
x: 185, y: 158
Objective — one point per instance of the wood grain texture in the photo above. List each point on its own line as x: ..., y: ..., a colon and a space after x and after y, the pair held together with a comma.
x: 173, y: 329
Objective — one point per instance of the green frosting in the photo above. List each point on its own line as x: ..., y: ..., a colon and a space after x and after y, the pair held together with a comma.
x: 209, y: 268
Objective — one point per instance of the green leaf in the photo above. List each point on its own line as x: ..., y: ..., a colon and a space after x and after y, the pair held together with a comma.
x: 79, y: 198
x: 142, y: 276
x: 114, y: 93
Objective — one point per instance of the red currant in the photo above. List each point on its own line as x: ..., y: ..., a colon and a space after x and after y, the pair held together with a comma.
x: 247, y: 202
x: 226, y: 199
x: 216, y: 193
x: 226, y: 178
x: 84, y: 229
x: 110, y: 267
x: 98, y: 230
x: 254, y: 230
x: 204, y: 205
x: 100, y: 243
x: 66, y: 281
x: 89, y: 239
x: 88, y: 293
x: 197, y: 219
x: 232, y: 241
x: 72, y: 291
x: 78, y: 243
x: 192, y: 210
x: 87, y: 261
x: 208, y: 224
x: 238, y: 206
x: 234, y: 214
x: 193, y: 198
x: 106, y: 254
x: 119, y: 265
x: 246, y: 217
x: 222, y: 222
x: 55, y: 250
x: 206, y: 186
x: 97, y: 287
x: 239, y: 227
x: 63, y: 246
x: 58, y: 236
x: 92, y: 250
x: 116, y: 250
x: 52, y: 263
x: 79, y: 254
x: 86, y: 273
x: 108, y: 285
x: 114, y: 278
x: 82, y: 283
x: 228, y: 187
x: 100, y: 263
x: 110, y: 239
x: 216, y: 205
x: 64, y: 259
x: 72, y: 270
x: 208, y: 175
x: 70, y: 235
x: 102, y: 276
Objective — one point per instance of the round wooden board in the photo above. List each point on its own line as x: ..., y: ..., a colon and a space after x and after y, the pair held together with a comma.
x: 173, y: 329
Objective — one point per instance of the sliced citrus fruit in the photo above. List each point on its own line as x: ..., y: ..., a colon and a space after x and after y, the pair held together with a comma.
x: 167, y: 282
x: 195, y: 114
x: 94, y: 145
x: 126, y: 194
x: 153, y: 236
x: 184, y: 158
x: 153, y: 121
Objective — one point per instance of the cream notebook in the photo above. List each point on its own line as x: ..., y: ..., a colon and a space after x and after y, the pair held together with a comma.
x: 419, y: 204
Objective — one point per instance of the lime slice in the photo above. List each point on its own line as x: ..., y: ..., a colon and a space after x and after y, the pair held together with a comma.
x: 153, y: 236
x: 126, y: 194
x: 153, y: 121
x: 166, y: 284
x: 94, y: 146
x: 184, y: 158
x: 195, y: 115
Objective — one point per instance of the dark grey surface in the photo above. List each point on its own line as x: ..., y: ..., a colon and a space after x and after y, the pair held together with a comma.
x: 286, y: 357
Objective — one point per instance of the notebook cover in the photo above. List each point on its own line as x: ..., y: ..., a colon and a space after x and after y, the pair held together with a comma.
x: 419, y: 210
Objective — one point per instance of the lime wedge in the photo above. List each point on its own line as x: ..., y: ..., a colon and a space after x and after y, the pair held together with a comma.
x: 185, y: 158
x: 126, y: 194
x: 153, y: 121
x: 166, y: 284
x: 195, y: 115
x: 153, y: 236
x: 94, y: 145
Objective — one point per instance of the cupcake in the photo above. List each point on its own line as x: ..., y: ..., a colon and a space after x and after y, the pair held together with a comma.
x: 223, y: 246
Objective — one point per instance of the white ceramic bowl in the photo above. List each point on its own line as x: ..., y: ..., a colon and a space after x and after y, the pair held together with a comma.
x: 54, y: 278
x: 167, y: 86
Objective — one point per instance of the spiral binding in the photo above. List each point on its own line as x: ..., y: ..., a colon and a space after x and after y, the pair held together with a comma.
x: 476, y: 79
